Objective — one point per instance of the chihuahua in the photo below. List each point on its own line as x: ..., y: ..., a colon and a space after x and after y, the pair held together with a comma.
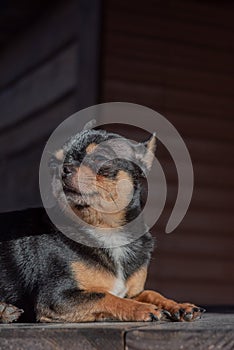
x: 45, y: 276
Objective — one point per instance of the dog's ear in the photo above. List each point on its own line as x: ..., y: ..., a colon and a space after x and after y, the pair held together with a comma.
x: 144, y: 152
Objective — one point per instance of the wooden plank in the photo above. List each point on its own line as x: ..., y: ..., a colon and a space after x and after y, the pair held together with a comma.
x: 198, y: 291
x: 172, y: 53
x: 204, y: 334
x: 42, y: 87
x: 204, y: 288
x: 201, y: 291
x: 209, y: 175
x: 197, y: 34
x: 184, y: 11
x: 215, y: 150
x: 217, y: 200
x: 198, y: 222
x: 56, y: 29
x: 195, y: 245
x: 72, y: 337
x: 219, y: 14
x: 200, y: 267
x: 208, y: 221
x: 205, y: 175
x: 170, y: 101
x: 211, y: 330
x: 188, y: 228
x: 175, y: 285
x: 168, y: 74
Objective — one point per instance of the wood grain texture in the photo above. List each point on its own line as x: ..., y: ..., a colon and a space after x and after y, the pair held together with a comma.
x: 179, y: 340
x: 77, y: 338
x: 213, y: 331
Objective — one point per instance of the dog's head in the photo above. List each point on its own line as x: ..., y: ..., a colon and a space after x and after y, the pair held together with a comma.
x: 97, y: 175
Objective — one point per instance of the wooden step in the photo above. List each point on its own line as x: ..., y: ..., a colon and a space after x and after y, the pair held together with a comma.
x: 213, y: 331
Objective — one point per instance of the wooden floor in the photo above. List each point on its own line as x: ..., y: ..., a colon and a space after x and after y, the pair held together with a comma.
x: 213, y: 331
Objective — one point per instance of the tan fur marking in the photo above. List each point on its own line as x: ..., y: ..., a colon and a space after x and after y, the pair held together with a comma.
x: 84, y: 179
x: 98, y: 219
x: 149, y: 157
x: 59, y: 154
x: 120, y: 198
x: 125, y: 309
x: 110, y: 306
x: 152, y: 144
x: 107, y: 307
x: 91, y: 216
x: 116, y: 194
x: 89, y: 277
x: 85, y: 171
x: 91, y: 147
x: 136, y: 282
x: 152, y: 297
x: 113, y: 199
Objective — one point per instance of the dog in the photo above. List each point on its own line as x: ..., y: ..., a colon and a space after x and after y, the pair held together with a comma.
x: 47, y: 277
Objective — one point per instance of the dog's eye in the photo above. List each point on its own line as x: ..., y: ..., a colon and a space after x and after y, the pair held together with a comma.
x: 99, y: 158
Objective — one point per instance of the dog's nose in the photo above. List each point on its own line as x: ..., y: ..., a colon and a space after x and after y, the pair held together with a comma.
x: 67, y: 170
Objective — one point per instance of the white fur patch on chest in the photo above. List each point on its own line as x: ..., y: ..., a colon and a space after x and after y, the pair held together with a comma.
x: 119, y: 289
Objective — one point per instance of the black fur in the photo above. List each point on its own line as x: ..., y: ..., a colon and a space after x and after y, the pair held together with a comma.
x: 35, y: 258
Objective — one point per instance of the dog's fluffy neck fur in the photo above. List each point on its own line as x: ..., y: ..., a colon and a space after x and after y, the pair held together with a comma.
x: 110, y: 233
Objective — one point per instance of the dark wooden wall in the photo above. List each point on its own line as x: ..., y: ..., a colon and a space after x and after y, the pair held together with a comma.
x: 177, y: 58
x: 45, y: 72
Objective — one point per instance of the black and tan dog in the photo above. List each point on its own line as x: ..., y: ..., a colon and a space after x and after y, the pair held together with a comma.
x: 55, y: 279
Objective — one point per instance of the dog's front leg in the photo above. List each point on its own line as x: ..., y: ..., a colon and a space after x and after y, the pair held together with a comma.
x: 177, y: 311
x: 89, y: 306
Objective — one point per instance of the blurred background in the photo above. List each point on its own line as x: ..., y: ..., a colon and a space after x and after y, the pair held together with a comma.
x: 176, y: 57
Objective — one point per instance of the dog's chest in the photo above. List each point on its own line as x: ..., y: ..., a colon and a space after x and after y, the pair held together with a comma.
x: 119, y: 287
x: 97, y: 278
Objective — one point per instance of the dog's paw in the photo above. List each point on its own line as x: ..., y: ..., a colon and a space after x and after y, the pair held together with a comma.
x: 184, y: 312
x: 147, y: 313
x: 9, y: 313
